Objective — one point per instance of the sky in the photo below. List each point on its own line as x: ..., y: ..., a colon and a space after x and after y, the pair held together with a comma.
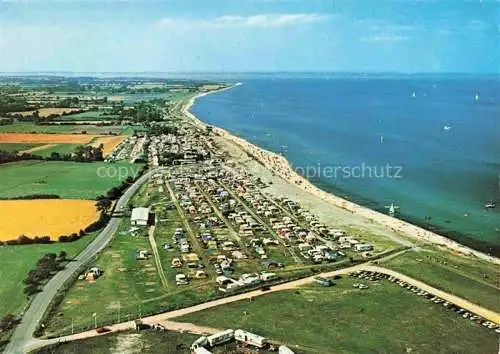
x: 405, y: 36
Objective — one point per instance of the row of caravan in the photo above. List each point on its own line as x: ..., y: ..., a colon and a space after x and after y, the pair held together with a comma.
x: 199, y: 346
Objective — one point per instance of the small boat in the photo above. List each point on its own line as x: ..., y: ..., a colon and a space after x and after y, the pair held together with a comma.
x: 476, y: 97
x: 447, y: 127
x: 392, y: 209
x: 490, y: 205
x: 414, y: 95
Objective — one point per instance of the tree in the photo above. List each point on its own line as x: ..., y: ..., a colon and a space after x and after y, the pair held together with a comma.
x: 62, y: 256
x: 103, y: 205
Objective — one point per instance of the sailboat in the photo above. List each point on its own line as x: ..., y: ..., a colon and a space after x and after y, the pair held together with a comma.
x: 392, y: 209
x: 490, y: 205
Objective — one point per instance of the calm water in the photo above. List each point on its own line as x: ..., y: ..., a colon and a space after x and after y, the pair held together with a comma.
x: 445, y: 140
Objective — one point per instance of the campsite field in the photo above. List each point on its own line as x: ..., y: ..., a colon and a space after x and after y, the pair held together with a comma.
x: 131, y: 284
x: 45, y: 217
x: 476, y: 280
x: 17, y: 262
x: 29, y: 127
x: 69, y: 180
x: 46, y: 138
x: 381, y: 319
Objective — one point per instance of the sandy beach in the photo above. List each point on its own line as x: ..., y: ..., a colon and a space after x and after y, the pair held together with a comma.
x: 278, y: 165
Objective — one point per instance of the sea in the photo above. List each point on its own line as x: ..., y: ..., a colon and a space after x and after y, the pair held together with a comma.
x: 427, y: 144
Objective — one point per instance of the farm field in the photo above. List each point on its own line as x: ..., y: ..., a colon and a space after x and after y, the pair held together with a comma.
x: 109, y: 142
x: 69, y: 180
x: 45, y: 112
x: 46, y: 138
x: 29, y: 127
x: 17, y: 262
x: 11, y: 147
x: 381, y: 319
x: 49, y: 217
x: 472, y: 279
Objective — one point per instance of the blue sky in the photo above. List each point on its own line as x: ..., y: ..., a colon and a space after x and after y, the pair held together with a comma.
x: 260, y: 35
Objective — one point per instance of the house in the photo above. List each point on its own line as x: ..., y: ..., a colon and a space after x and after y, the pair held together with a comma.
x: 139, y: 216
x: 363, y: 247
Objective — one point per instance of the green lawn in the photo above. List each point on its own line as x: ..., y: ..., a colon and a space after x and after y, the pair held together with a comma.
x: 62, y: 149
x: 11, y: 147
x: 29, y: 127
x: 459, y: 275
x: 68, y: 179
x: 16, y: 263
x: 341, y: 319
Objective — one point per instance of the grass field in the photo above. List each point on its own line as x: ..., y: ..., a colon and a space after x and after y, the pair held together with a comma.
x: 16, y: 263
x: 28, y: 127
x: 341, y: 319
x: 88, y: 116
x: 11, y: 147
x: 45, y: 138
x: 475, y: 280
x: 61, y: 149
x: 70, y: 180
x: 49, y: 217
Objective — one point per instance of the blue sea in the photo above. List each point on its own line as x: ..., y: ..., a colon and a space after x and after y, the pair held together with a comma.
x: 429, y: 144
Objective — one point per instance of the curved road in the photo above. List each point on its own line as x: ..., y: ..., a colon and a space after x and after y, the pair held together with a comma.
x: 23, y: 334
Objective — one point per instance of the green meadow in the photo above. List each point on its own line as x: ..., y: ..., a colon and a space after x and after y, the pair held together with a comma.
x: 342, y: 319
x: 67, y: 179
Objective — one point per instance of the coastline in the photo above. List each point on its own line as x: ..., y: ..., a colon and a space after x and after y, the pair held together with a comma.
x: 280, y: 166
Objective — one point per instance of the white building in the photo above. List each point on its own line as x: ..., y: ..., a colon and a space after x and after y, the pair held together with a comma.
x: 139, y: 216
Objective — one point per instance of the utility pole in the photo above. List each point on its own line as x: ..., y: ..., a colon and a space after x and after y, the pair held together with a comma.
x: 119, y: 307
x: 72, y: 328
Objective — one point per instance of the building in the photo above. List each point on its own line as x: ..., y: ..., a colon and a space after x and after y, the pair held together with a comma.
x: 139, y: 217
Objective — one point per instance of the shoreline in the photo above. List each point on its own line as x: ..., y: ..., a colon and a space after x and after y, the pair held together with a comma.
x: 280, y: 166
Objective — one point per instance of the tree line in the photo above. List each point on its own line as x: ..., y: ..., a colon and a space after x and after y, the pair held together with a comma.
x: 82, y: 153
x: 45, y: 268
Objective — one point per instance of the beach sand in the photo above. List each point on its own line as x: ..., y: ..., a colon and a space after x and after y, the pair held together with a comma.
x: 331, y: 209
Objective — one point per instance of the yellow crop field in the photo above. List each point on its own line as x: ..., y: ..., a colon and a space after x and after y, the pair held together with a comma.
x: 46, y: 138
x: 45, y: 112
x: 45, y: 217
x: 109, y: 142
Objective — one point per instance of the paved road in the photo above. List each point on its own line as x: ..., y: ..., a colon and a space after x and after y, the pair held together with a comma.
x: 166, y: 317
x: 23, y: 334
